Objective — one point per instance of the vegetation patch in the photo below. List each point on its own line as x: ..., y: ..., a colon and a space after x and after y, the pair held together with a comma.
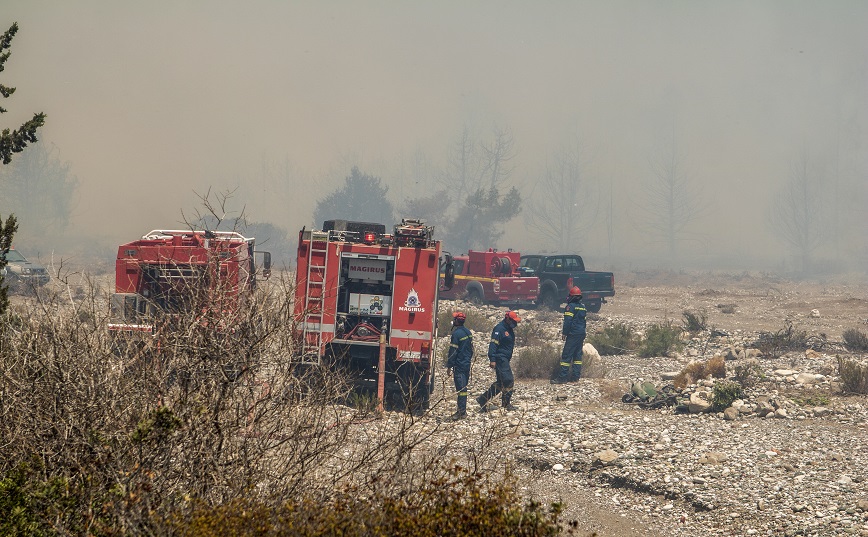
x: 460, y: 503
x: 695, y: 321
x: 614, y: 340
x: 661, y: 339
x: 724, y: 393
x: 748, y: 374
x: 697, y: 370
x: 727, y: 308
x: 531, y: 334
x: 855, y: 340
x: 538, y: 362
x: 853, y: 375
x: 786, y: 339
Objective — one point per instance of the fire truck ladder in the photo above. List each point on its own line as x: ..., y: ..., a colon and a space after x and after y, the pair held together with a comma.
x: 317, y: 269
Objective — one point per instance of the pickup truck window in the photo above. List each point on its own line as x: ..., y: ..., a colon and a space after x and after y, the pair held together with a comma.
x: 554, y: 264
x: 530, y: 262
x: 571, y: 264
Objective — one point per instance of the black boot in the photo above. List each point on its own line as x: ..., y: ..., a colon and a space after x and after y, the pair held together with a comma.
x: 482, y: 404
x: 460, y: 415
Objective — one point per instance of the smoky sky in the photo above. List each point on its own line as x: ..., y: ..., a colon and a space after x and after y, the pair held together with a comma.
x: 151, y: 102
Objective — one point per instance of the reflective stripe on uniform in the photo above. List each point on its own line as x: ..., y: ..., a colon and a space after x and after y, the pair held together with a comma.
x: 568, y: 313
x: 496, y: 342
x: 462, y: 394
x: 578, y: 362
x: 565, y: 364
x: 465, y: 337
x: 454, y: 345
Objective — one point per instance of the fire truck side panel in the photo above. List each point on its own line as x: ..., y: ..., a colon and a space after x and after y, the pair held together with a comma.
x: 414, y: 302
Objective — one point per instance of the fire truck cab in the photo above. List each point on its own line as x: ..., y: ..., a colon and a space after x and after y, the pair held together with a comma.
x: 366, y: 304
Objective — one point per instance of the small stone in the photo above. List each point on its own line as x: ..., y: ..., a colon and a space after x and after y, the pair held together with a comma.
x: 730, y: 414
x: 558, y: 467
x: 814, y: 314
x: 605, y: 457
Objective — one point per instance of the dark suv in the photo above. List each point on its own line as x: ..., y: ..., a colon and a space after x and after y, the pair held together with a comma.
x: 23, y: 273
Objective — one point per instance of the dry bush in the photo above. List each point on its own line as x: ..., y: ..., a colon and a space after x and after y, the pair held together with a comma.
x: 786, y: 339
x: 855, y: 340
x: 748, y: 374
x: 539, y: 362
x: 853, y: 375
x: 458, y: 502
x: 724, y: 393
x: 695, y: 321
x: 531, y: 334
x: 211, y: 410
x: 696, y: 370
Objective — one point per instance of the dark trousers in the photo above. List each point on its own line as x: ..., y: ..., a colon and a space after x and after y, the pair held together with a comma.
x: 572, y: 355
x: 503, y: 384
x: 461, y: 378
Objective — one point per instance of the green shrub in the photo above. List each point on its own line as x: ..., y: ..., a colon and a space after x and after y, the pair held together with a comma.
x: 854, y: 375
x: 695, y: 321
x: 818, y: 399
x: 616, y: 339
x: 855, y: 340
x: 539, y: 362
x: 786, y: 339
x: 748, y: 374
x: 661, y: 339
x: 724, y: 393
x: 460, y: 503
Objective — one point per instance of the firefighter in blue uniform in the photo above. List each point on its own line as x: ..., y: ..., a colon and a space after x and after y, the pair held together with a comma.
x: 499, y: 354
x: 573, y: 334
x: 458, y: 361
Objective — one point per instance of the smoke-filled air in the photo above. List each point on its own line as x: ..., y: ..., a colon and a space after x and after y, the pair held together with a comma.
x: 661, y: 134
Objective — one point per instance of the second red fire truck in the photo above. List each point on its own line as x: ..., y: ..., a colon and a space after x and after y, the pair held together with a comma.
x: 366, y: 304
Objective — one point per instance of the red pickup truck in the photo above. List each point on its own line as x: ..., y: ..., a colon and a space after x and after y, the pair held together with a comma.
x: 491, y: 277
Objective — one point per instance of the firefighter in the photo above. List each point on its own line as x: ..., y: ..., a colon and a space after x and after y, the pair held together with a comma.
x: 458, y: 362
x: 499, y: 354
x: 573, y: 334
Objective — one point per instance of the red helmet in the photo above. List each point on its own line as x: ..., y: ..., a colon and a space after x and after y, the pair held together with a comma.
x: 575, y: 291
x: 459, y: 316
x: 512, y: 315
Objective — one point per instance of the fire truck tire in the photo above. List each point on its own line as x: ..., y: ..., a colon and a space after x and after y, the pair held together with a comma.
x: 548, y: 299
x: 474, y: 295
x: 594, y: 305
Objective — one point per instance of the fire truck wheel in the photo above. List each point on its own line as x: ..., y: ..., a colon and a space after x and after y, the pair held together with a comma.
x: 594, y: 306
x: 474, y: 296
x: 547, y: 299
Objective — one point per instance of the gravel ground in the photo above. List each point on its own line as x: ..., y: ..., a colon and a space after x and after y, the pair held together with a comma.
x: 791, y: 460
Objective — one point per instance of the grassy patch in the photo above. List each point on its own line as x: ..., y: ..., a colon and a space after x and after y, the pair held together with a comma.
x: 614, y: 340
x: 539, y: 362
x: 661, y: 339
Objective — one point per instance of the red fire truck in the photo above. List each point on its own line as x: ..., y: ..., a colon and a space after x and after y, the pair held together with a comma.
x: 167, y: 272
x: 492, y: 277
x: 366, y: 304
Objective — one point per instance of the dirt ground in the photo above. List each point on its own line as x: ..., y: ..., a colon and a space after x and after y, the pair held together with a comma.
x: 742, y: 305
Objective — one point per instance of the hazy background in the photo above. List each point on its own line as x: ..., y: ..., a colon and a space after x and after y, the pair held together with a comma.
x: 151, y: 102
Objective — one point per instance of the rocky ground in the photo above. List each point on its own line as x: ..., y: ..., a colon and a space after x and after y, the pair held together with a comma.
x: 789, y: 459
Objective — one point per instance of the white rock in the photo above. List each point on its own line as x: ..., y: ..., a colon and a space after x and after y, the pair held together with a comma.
x: 558, y: 467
